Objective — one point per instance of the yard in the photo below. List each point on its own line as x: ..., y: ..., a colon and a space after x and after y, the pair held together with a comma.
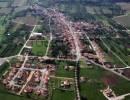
x: 62, y: 72
x: 58, y: 93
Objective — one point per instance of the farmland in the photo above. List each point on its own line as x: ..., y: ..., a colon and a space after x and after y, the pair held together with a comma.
x: 28, y: 20
x: 15, y: 35
x: 19, y: 3
x: 4, y: 4
x: 90, y: 9
x: 5, y: 11
x: 117, y: 46
x: 98, y: 79
x: 12, y: 34
x: 3, y: 24
x: 124, y: 20
x: 125, y: 6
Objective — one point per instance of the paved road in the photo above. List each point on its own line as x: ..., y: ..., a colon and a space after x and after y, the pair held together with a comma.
x: 78, y: 55
x: 27, y: 40
x: 28, y: 79
x: 103, y: 66
x: 49, y: 43
x: 12, y: 81
x: 108, y: 69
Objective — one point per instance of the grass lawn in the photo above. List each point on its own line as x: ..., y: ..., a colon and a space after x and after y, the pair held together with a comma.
x: 61, y: 72
x: 94, y: 73
x: 39, y: 48
x: 56, y: 82
x: 63, y: 95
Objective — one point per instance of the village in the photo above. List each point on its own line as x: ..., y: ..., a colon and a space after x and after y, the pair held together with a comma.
x: 60, y: 60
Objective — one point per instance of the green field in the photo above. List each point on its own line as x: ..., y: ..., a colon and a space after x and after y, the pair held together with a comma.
x: 63, y: 95
x: 118, y: 47
x: 88, y: 89
x: 92, y: 91
x: 95, y: 82
x: 4, y: 95
x: 39, y: 48
x: 61, y: 72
